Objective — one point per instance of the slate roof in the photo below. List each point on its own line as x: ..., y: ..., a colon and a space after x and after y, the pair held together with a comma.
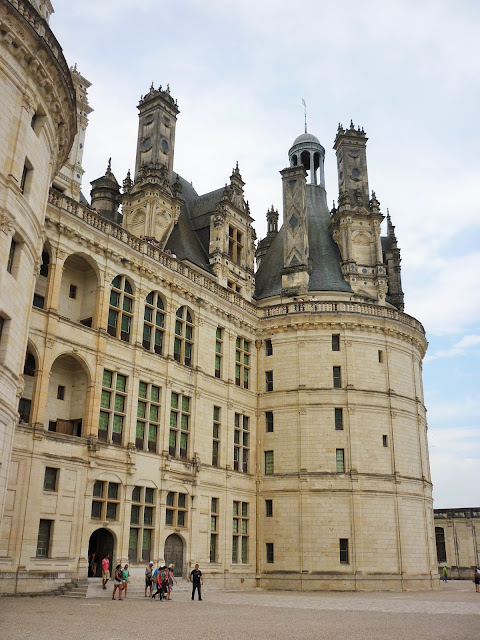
x: 324, y: 254
x: 190, y: 237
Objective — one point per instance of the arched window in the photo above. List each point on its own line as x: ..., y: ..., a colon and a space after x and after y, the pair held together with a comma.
x: 154, y: 323
x: 120, y: 313
x: 183, y: 345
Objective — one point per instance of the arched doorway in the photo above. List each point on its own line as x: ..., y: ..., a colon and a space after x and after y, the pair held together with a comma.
x: 174, y: 553
x: 101, y: 542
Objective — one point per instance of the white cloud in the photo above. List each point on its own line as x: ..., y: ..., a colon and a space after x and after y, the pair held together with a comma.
x: 460, y: 348
x: 455, y: 467
x: 239, y: 71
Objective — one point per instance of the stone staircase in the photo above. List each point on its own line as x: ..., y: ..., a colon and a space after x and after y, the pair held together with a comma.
x: 76, y: 589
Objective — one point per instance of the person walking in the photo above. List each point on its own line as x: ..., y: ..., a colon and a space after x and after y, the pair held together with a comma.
x: 164, y: 577
x: 476, y: 579
x: 118, y: 582
x: 105, y: 570
x: 93, y: 564
x: 171, y: 580
x: 197, y: 580
x: 126, y: 578
x: 149, y: 578
x: 444, y: 574
x: 155, y: 578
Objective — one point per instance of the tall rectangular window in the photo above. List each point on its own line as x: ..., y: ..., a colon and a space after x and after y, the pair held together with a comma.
x: 26, y: 179
x: 242, y: 362
x: 440, y: 541
x: 44, y: 538
x: 269, y: 550
x: 218, y: 352
x: 235, y: 244
x: 240, y: 532
x: 268, y: 347
x: 120, y: 313
x: 113, y: 406
x: 269, y: 421
x: 50, y: 479
x: 337, y: 377
x: 214, y: 515
x: 176, y: 509
x: 338, y: 419
x: 343, y: 543
x: 269, y: 463
x: 269, y: 508
x: 142, y: 524
x: 216, y: 437
x: 385, y: 441
x: 340, y: 460
x: 268, y: 380
x: 148, y: 416
x: 380, y: 356
x: 153, y: 323
x: 179, y: 425
x: 241, y: 443
x: 335, y: 342
x: 11, y: 255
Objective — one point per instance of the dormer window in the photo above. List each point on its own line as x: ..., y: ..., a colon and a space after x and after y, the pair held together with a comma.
x: 235, y: 244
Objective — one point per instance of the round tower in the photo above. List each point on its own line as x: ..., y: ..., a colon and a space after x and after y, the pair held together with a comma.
x: 38, y: 128
x: 105, y: 194
x: 344, y: 469
x: 307, y: 150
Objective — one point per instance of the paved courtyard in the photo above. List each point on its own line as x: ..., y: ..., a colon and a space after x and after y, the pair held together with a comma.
x: 451, y: 612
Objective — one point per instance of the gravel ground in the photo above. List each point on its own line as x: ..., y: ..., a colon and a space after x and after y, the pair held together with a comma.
x: 453, y: 612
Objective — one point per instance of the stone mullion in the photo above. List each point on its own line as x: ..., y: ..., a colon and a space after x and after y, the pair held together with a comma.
x: 89, y: 424
x: 37, y: 418
x: 54, y: 283
x: 94, y: 394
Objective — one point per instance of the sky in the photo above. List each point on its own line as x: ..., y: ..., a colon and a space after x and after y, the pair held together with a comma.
x: 406, y: 71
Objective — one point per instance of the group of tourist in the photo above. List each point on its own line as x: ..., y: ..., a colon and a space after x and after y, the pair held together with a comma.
x: 120, y: 580
x: 155, y: 243
x: 162, y: 578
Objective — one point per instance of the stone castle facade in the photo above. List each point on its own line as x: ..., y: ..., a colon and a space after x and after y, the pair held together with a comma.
x: 163, y: 398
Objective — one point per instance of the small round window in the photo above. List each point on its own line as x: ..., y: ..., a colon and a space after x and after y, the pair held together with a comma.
x: 164, y: 145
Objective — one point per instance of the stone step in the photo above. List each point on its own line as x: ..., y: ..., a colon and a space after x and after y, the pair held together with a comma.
x: 135, y: 590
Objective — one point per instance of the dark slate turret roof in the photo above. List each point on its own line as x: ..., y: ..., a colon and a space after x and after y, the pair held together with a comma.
x: 324, y: 254
x: 190, y: 237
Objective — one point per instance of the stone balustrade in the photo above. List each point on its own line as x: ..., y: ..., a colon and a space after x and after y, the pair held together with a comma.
x: 310, y: 306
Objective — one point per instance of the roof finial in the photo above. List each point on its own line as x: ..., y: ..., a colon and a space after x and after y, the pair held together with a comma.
x: 305, y: 111
x: 109, y: 167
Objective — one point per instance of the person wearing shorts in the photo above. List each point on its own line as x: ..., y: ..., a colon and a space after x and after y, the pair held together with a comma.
x: 126, y: 578
x: 149, y: 578
x: 118, y: 582
x: 105, y: 570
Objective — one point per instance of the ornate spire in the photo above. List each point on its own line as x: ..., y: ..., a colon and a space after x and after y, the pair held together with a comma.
x: 127, y: 183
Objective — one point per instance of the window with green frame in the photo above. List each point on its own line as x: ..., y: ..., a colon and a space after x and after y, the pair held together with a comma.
x: 154, y: 323
x: 179, y: 425
x: 113, y: 401
x: 120, y: 313
x: 242, y: 362
x: 148, y: 416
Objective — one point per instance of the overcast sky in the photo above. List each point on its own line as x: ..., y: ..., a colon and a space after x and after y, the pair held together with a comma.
x: 406, y: 71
